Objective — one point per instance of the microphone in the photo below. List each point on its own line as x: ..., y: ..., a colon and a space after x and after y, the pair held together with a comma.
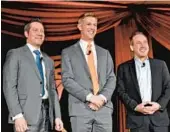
x: 143, y: 64
x: 41, y: 59
x: 89, y: 52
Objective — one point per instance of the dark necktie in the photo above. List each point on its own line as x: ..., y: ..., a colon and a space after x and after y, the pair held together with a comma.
x: 39, y: 65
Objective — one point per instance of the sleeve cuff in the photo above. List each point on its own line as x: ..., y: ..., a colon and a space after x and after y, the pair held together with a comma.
x: 89, y: 96
x: 160, y: 108
x: 104, y: 98
x: 17, y: 116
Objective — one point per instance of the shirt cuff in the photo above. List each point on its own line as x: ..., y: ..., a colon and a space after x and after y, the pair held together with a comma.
x: 17, y: 116
x: 160, y: 108
x: 89, y: 96
x: 101, y: 95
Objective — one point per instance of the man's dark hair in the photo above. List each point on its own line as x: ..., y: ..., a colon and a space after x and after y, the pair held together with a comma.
x: 28, y: 25
x: 136, y: 33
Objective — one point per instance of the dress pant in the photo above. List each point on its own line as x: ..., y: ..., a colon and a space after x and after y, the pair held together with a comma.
x: 149, y: 127
x: 92, y: 123
x: 43, y: 124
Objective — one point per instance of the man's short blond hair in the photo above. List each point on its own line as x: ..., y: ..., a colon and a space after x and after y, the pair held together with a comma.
x: 88, y: 14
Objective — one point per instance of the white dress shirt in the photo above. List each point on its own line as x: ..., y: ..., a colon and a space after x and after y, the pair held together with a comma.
x: 143, y: 72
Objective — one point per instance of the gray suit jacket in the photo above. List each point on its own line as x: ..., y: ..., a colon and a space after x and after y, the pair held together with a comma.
x: 77, y: 80
x: 22, y: 85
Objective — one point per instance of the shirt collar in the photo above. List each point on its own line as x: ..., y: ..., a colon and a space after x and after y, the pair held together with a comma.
x: 84, y: 43
x: 139, y: 62
x: 32, y: 48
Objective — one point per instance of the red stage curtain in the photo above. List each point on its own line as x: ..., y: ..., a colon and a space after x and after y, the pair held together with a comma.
x: 157, y: 25
x: 60, y: 18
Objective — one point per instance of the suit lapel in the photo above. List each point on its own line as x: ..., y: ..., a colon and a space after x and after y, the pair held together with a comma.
x: 133, y: 75
x: 47, y: 69
x: 31, y: 60
x: 153, y: 77
x: 99, y: 63
x: 82, y: 58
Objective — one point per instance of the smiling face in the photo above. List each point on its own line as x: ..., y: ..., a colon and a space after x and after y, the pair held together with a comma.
x: 35, y: 35
x: 140, y: 46
x: 88, y: 28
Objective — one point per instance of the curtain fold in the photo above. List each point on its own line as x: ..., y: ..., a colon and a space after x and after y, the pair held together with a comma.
x: 157, y: 25
x: 60, y: 18
x: 123, y: 53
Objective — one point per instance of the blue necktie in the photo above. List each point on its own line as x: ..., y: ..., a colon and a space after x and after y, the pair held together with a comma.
x: 39, y: 65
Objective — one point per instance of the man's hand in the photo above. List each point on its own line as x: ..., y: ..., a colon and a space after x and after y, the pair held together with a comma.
x: 58, y: 124
x: 141, y: 108
x: 93, y: 106
x: 21, y: 125
x: 153, y: 108
x: 147, y: 109
x: 97, y: 100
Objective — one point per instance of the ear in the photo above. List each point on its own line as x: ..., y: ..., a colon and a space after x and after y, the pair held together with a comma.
x: 26, y: 34
x: 79, y: 26
x: 131, y: 47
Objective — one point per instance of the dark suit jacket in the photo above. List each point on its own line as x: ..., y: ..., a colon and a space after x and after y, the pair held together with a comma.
x: 128, y: 89
x: 22, y: 85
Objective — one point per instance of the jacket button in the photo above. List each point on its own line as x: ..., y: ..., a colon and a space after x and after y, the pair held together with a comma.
x: 40, y: 82
x: 40, y: 95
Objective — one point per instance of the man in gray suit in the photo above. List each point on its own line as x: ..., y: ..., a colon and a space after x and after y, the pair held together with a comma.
x: 29, y: 86
x: 88, y: 76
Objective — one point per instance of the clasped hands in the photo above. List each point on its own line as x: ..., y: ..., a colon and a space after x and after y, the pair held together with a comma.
x: 96, y: 102
x: 147, y: 108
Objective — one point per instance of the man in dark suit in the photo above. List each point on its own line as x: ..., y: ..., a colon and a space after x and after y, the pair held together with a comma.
x: 29, y: 86
x: 88, y: 76
x: 144, y: 87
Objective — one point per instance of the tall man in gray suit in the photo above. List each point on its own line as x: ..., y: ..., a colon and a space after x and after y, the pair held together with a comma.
x: 88, y: 76
x: 29, y: 86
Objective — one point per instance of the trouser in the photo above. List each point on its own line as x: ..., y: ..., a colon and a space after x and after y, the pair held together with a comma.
x: 149, y: 127
x: 43, y: 124
x: 92, y: 123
